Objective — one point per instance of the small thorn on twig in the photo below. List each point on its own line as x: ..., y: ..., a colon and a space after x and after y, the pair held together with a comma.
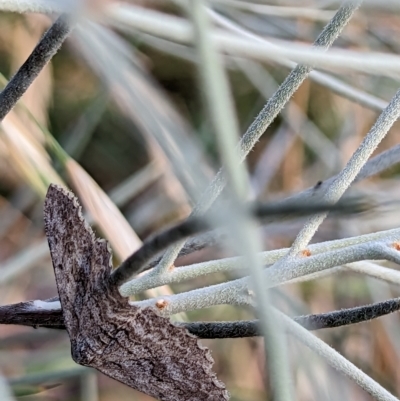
x: 318, y: 185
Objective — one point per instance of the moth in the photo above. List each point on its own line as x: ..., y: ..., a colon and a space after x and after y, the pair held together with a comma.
x: 133, y: 345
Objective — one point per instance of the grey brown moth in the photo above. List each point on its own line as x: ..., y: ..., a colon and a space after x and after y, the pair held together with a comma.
x: 133, y: 345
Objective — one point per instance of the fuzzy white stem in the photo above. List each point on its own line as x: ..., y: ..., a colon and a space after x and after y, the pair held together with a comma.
x: 352, y: 169
x: 334, y: 359
x: 238, y: 292
x: 177, y: 275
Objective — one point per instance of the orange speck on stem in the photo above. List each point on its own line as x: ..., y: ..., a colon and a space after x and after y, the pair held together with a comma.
x: 161, y: 303
x: 396, y: 245
x: 305, y: 253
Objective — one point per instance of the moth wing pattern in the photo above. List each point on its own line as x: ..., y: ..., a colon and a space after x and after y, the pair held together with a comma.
x: 71, y: 242
x: 133, y: 345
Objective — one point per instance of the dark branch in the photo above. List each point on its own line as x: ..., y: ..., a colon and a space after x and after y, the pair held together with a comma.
x: 136, y: 263
x: 41, y: 55
x: 154, y: 245
x: 197, y: 243
x: 30, y: 314
x: 374, y: 166
x: 250, y: 328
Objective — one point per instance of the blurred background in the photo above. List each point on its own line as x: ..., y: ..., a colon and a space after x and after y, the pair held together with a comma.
x: 72, y: 127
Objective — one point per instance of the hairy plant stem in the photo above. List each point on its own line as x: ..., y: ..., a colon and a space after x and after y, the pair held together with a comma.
x: 48, y: 315
x: 41, y: 55
x: 272, y: 108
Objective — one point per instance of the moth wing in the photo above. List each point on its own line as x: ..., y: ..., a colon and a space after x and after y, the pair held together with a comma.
x: 148, y: 353
x: 134, y: 346
x: 71, y: 242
